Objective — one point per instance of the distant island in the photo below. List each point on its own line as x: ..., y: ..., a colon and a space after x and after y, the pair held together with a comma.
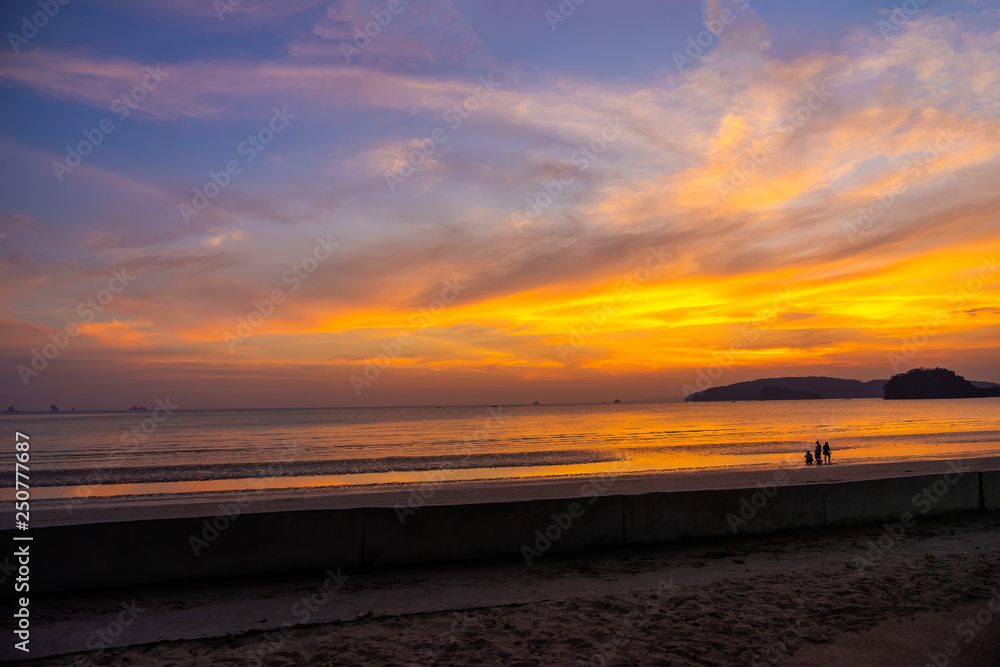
x: 935, y: 383
x: 775, y: 393
x: 791, y: 388
x: 921, y: 383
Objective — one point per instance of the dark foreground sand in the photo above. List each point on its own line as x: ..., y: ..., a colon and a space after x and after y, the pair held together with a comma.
x: 792, y: 599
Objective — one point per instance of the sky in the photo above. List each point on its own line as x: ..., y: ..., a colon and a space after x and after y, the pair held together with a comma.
x: 419, y: 202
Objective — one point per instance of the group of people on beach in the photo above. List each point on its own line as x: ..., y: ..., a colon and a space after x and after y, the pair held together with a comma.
x: 822, y: 454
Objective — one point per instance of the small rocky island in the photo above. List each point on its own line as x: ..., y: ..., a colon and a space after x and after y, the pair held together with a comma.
x: 934, y: 383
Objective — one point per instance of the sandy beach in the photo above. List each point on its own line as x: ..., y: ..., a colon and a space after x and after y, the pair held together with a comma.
x: 843, y: 596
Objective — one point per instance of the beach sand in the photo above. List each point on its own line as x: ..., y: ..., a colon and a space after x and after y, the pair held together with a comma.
x: 793, y: 599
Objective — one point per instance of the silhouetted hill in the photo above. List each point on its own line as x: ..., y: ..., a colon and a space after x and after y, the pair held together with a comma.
x: 935, y: 383
x: 773, y: 393
x: 819, y: 387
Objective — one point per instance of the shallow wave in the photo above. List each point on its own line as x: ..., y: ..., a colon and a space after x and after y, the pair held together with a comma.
x: 201, y: 472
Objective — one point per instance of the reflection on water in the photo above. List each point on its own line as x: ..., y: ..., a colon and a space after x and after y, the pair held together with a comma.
x: 236, y: 449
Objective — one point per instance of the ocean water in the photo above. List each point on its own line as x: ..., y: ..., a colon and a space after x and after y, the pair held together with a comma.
x: 196, y: 451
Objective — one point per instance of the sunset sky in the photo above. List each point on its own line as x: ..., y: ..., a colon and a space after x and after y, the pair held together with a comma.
x: 507, y: 203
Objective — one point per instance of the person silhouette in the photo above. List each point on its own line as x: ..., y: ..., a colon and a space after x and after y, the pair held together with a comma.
x: 809, y: 458
x: 826, y: 452
x: 819, y: 453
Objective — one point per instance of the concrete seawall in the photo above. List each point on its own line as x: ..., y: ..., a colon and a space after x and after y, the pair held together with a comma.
x: 127, y: 553
x: 991, y: 490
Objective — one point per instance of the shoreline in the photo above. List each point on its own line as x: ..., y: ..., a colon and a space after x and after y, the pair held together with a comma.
x: 430, y: 493
x: 305, y: 478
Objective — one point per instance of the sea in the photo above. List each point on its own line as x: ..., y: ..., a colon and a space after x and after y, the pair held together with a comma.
x: 155, y: 454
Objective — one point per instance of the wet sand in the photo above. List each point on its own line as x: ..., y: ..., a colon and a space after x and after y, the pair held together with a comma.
x: 53, y: 512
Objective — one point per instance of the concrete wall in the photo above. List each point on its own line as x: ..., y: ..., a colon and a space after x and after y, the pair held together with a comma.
x: 461, y: 532
x: 991, y: 490
x: 665, y: 517
x: 140, y: 552
x: 880, y: 500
